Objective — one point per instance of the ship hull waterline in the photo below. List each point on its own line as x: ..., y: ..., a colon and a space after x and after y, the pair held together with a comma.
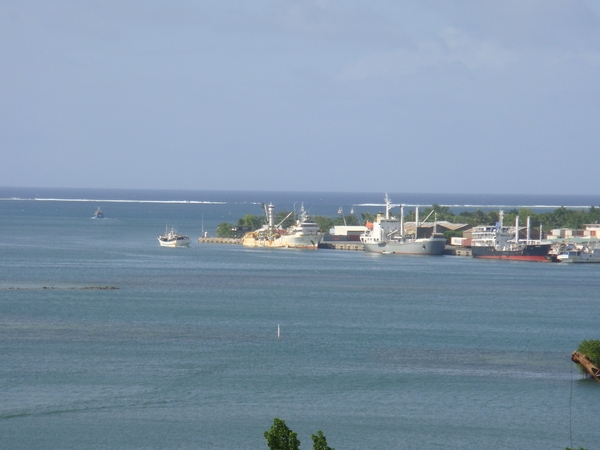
x: 538, y: 253
x: 304, y: 243
x: 429, y: 247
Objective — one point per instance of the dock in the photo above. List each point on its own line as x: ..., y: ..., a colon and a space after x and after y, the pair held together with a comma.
x: 454, y: 250
x: 342, y: 245
x: 216, y: 240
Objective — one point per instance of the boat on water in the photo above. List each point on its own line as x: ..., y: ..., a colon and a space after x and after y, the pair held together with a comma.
x: 388, y: 235
x: 98, y: 214
x: 580, y: 254
x: 172, y: 238
x: 502, y: 242
x: 304, y: 234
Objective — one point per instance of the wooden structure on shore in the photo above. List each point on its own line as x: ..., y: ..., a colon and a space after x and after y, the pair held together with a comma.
x: 584, y: 361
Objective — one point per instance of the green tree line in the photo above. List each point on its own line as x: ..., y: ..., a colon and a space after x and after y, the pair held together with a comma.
x: 559, y: 218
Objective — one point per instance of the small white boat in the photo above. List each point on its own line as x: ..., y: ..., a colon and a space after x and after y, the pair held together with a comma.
x: 173, y: 239
x: 580, y: 254
x: 98, y: 214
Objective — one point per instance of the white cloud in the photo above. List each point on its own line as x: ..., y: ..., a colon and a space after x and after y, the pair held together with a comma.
x: 451, y: 46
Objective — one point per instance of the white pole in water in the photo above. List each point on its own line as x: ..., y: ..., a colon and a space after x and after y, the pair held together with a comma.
x: 278, y: 331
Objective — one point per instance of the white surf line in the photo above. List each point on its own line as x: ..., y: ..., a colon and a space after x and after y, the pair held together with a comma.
x: 475, y: 206
x: 88, y: 200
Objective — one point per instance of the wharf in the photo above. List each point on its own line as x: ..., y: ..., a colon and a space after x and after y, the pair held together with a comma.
x: 454, y: 250
x: 342, y: 245
x: 216, y: 240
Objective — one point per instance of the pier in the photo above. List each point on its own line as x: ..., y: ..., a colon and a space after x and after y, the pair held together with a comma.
x: 216, y: 240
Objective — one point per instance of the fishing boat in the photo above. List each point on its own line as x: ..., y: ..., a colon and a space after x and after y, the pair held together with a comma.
x: 586, y: 253
x: 388, y: 235
x: 503, y: 242
x: 98, y: 214
x: 171, y: 238
x: 304, y: 234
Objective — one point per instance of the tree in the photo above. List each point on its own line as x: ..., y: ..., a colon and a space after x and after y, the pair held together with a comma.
x: 280, y: 437
x: 325, y: 223
x: 286, y: 219
x: 320, y: 442
x: 249, y: 220
x: 443, y: 213
x: 226, y: 230
x: 591, y: 349
x: 478, y: 218
x: 367, y: 217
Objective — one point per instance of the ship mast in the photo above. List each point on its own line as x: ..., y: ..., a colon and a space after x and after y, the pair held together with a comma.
x: 417, y: 222
x: 387, y: 206
x: 402, y: 221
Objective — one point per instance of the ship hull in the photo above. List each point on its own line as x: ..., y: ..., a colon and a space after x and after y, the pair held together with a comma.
x: 430, y: 247
x: 580, y: 257
x: 309, y: 242
x: 538, y: 253
x: 175, y: 243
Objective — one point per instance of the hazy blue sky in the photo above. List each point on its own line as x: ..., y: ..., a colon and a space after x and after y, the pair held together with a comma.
x: 401, y: 96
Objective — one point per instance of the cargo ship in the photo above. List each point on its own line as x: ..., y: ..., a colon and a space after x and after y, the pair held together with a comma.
x: 387, y: 235
x: 502, y: 242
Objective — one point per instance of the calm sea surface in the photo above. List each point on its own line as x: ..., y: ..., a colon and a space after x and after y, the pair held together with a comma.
x: 378, y: 351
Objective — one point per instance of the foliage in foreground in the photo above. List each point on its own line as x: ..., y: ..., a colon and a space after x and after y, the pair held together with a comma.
x: 320, y: 441
x: 590, y: 348
x: 280, y: 437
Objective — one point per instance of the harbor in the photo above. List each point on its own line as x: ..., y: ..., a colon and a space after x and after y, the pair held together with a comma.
x: 386, y: 233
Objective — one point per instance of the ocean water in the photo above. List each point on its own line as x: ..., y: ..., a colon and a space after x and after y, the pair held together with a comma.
x: 378, y: 351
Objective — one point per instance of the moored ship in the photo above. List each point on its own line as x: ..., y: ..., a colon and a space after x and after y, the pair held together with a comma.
x: 502, y: 242
x: 581, y: 254
x: 388, y: 236
x: 304, y: 234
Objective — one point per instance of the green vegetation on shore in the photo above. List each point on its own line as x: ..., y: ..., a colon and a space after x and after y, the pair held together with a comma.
x: 591, y: 349
x: 559, y: 218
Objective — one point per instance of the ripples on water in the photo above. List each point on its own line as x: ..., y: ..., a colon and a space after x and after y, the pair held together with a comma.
x: 378, y: 351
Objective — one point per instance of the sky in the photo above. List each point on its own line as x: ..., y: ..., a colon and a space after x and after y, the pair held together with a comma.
x: 340, y: 96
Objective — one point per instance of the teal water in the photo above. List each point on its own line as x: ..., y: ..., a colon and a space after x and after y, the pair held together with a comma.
x: 378, y: 351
